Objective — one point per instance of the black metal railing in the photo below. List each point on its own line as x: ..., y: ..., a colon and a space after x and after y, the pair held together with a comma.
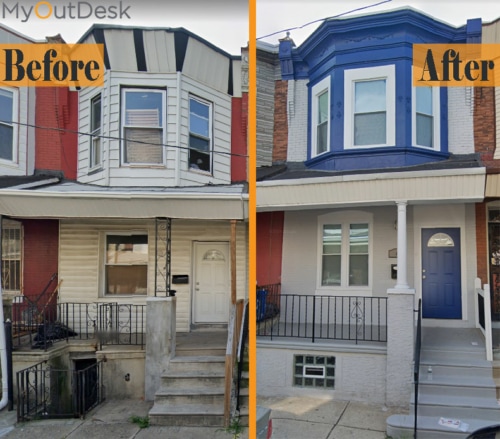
x: 323, y: 317
x: 241, y: 354
x: 110, y: 323
x: 48, y: 392
x: 416, y: 364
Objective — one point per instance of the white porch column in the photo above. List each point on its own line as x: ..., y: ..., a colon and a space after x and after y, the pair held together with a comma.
x: 402, y: 282
x: 400, y: 325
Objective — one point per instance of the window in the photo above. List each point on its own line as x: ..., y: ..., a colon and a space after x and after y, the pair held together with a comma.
x: 314, y: 371
x: 320, y: 117
x: 95, y: 130
x: 369, y: 117
x: 200, y: 134
x: 425, y: 117
x: 126, y: 264
x: 8, y: 112
x: 345, y: 252
x: 11, y: 258
x: 143, y: 126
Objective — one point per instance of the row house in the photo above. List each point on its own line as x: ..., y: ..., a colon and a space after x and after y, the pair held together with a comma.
x: 127, y: 223
x: 368, y: 246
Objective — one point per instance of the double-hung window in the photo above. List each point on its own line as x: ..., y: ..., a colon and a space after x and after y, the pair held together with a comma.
x: 11, y: 257
x: 369, y: 117
x: 126, y: 268
x: 200, y: 134
x: 345, y: 254
x: 8, y: 128
x: 320, y: 117
x: 425, y: 120
x: 143, y: 124
x: 95, y: 131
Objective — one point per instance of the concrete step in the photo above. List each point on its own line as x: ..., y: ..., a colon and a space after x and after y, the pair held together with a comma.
x: 192, y: 396
x: 192, y: 415
x: 465, y: 386
x: 209, y: 363
x: 455, y: 358
x: 200, y: 351
x: 428, y: 427
x: 440, y: 369
x: 192, y: 378
x: 452, y: 406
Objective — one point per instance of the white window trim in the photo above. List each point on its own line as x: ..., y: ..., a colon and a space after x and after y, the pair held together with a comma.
x: 344, y: 219
x: 352, y: 76
x: 163, y: 92
x: 317, y: 90
x: 103, y: 264
x: 98, y: 164
x: 210, y: 132
x: 15, y: 125
x: 436, y: 117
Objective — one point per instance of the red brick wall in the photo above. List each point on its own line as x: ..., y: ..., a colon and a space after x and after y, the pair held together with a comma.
x: 239, y: 123
x: 56, y: 107
x: 280, y: 131
x: 269, y: 247
x: 484, y: 142
x: 41, y: 238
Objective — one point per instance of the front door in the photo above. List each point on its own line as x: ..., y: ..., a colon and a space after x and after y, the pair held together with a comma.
x: 211, y: 282
x: 441, y: 277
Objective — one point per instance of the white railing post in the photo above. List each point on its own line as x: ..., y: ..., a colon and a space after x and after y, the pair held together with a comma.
x: 487, y: 323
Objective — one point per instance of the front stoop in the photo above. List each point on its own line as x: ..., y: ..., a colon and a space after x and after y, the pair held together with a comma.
x: 191, y: 393
x: 455, y: 384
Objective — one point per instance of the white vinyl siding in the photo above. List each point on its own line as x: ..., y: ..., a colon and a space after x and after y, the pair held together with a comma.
x: 81, y: 256
x: 176, y: 131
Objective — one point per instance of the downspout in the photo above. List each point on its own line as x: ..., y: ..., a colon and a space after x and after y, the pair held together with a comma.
x: 177, y: 168
x: 3, y: 350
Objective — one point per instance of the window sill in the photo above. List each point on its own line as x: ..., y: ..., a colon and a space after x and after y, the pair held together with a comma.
x: 200, y: 172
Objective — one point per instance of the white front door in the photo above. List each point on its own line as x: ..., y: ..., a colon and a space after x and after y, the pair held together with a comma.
x: 211, y: 282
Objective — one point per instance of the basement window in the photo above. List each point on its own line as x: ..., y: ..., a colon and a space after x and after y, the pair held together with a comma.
x: 314, y: 371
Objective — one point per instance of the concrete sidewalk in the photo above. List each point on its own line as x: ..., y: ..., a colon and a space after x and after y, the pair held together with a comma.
x: 293, y: 418
x: 110, y: 420
x: 297, y: 418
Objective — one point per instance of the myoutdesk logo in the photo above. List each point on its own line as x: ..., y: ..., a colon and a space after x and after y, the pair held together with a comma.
x: 43, y: 10
x: 51, y: 65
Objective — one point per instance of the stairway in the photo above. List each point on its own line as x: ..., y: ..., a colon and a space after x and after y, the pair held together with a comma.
x: 456, y: 383
x: 192, y: 389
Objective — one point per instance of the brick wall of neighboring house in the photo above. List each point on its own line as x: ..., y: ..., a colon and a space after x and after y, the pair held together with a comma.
x: 266, y: 75
x: 56, y: 150
x: 460, y: 120
x: 269, y: 247
x: 239, y: 132
x: 484, y: 141
x: 297, y: 120
x: 280, y: 128
x: 40, y: 251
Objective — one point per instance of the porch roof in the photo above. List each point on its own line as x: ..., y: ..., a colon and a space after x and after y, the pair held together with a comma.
x: 371, y: 189
x: 492, y: 185
x: 69, y: 199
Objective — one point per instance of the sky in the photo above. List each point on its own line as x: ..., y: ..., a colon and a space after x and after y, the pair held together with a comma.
x: 221, y: 22
x: 278, y: 15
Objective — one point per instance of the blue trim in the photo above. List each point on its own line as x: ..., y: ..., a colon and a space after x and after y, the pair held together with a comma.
x: 374, y: 158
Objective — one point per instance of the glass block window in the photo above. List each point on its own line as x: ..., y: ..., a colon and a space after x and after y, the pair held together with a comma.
x: 314, y: 371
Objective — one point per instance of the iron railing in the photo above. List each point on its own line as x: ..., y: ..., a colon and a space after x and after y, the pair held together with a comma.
x: 111, y: 323
x: 416, y: 365
x: 241, y: 355
x: 47, y: 392
x: 322, y: 317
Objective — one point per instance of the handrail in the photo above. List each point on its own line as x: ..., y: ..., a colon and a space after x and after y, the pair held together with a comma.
x: 241, y: 350
x: 483, y: 316
x: 416, y: 364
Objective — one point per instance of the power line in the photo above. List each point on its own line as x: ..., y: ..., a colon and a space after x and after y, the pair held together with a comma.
x: 323, y: 19
x: 100, y: 136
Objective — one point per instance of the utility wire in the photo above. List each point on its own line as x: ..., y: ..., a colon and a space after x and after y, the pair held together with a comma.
x: 323, y: 19
x: 100, y: 136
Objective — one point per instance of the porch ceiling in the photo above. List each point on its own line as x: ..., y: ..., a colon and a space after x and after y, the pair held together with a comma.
x: 416, y: 187
x: 49, y: 203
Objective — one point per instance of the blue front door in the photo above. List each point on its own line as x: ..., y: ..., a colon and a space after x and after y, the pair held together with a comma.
x: 441, y: 278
